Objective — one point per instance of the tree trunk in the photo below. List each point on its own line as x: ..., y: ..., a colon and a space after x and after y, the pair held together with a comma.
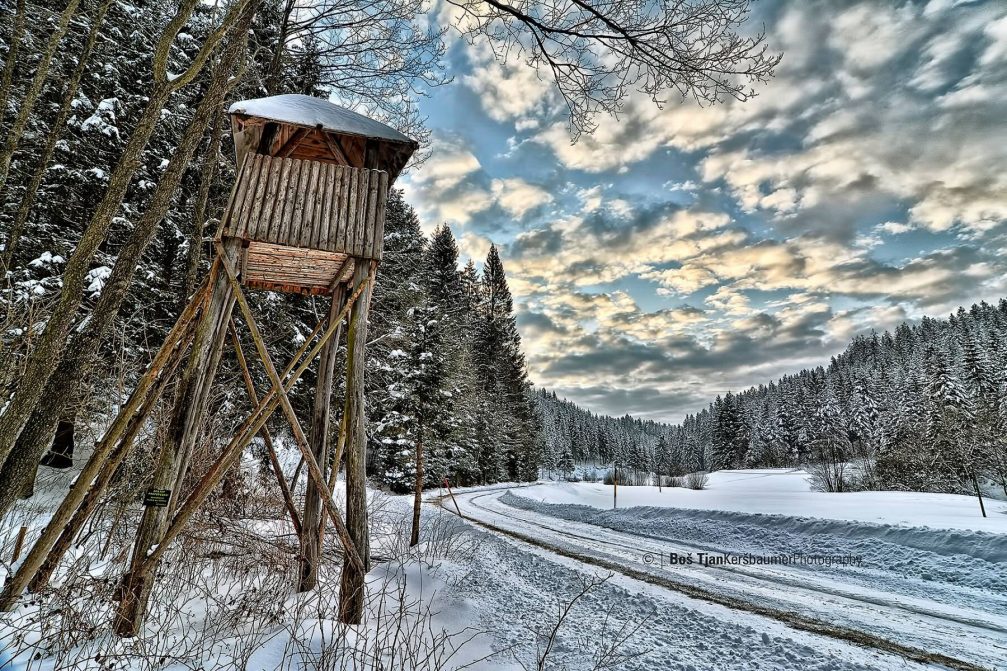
x: 42, y: 162
x: 311, y: 520
x: 28, y: 487
x: 62, y: 389
x: 414, y: 538
x: 208, y: 177
x: 351, y: 590
x: 61, y: 454
x: 276, y: 62
x: 17, y: 35
x: 50, y: 345
x: 34, y: 91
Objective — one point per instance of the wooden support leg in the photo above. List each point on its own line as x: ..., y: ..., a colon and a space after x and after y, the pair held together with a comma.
x: 186, y: 417
x: 97, y: 490
x: 311, y: 539
x: 362, y: 288
x: 351, y: 591
x: 132, y: 414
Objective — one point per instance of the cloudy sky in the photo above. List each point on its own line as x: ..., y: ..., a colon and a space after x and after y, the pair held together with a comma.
x: 679, y: 253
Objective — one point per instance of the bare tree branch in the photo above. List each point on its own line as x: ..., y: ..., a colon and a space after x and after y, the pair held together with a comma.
x: 598, y: 52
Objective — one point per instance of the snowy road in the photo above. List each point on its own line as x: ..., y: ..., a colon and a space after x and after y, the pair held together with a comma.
x: 952, y: 606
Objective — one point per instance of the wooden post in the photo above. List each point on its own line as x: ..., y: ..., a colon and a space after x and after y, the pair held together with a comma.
x: 186, y: 418
x: 615, y: 484
x: 414, y: 538
x: 362, y: 287
x: 979, y: 493
x: 453, y: 499
x: 311, y: 539
x: 254, y: 423
x: 351, y: 590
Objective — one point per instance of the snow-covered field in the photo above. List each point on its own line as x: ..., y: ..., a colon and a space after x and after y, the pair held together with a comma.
x: 787, y: 492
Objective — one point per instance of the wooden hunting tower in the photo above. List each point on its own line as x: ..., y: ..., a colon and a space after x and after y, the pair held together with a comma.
x: 309, y: 203
x: 306, y: 215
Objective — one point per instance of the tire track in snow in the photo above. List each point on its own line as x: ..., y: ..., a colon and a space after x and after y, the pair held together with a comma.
x: 795, y: 620
x: 767, y: 576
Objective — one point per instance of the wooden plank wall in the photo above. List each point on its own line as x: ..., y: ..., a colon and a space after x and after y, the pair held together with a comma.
x: 308, y: 204
x: 293, y: 270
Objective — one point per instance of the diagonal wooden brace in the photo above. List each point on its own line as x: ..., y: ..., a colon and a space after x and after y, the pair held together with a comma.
x: 314, y: 471
x: 147, y: 390
x: 101, y: 483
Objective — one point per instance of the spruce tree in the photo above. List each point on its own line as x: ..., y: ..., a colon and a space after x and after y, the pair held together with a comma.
x: 509, y: 419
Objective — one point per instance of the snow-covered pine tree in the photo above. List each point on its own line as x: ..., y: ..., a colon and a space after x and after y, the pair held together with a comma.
x: 510, y: 421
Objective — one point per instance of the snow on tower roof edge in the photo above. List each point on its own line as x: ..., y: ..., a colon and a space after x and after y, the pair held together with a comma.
x: 303, y: 110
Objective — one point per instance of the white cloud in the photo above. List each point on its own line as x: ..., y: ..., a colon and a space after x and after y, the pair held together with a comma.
x: 996, y: 48
x: 507, y: 91
x: 518, y: 196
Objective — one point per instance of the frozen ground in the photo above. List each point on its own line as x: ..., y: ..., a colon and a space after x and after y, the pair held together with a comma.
x: 475, y: 598
x: 939, y: 590
x: 786, y: 492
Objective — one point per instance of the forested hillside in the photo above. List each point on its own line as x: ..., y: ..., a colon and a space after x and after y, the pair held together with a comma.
x: 921, y: 408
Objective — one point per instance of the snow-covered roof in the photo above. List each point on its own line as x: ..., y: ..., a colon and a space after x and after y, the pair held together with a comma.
x: 305, y: 110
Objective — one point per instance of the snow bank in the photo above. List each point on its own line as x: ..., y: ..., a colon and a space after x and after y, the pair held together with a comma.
x: 787, y: 492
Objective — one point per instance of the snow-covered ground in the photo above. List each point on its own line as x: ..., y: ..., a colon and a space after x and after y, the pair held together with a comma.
x: 787, y: 492
x: 940, y: 590
x: 476, y: 598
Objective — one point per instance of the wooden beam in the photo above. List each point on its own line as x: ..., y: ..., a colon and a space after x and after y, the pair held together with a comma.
x: 336, y: 147
x: 314, y: 471
x: 351, y: 590
x: 267, y: 405
x: 337, y: 278
x: 101, y: 483
x: 146, y: 387
x: 172, y: 462
x: 288, y: 147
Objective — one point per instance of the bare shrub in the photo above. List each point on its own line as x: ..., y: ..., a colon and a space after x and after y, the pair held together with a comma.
x: 606, y: 649
x: 697, y: 480
x: 225, y: 587
x: 628, y: 477
x: 828, y: 466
